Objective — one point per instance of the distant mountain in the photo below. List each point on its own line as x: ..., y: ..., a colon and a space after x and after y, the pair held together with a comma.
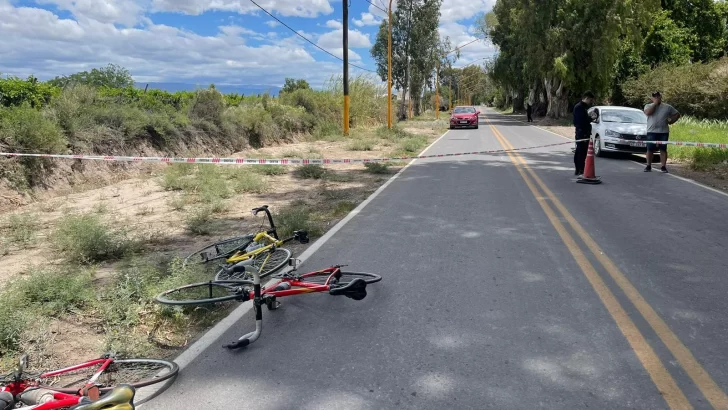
x: 225, y: 89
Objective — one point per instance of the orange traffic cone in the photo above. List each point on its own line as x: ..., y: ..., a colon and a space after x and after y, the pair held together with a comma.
x: 589, y: 172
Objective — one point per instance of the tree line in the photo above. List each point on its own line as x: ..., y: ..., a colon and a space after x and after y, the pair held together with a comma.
x: 550, y: 51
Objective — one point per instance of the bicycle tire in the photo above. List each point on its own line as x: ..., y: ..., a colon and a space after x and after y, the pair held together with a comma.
x: 277, y: 260
x: 227, y: 288
x: 222, y: 250
x: 172, y: 367
x: 346, y: 277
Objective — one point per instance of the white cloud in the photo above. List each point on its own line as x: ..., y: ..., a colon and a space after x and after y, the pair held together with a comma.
x: 333, y: 39
x: 456, y: 10
x: 367, y: 19
x: 297, y: 8
x: 334, y: 24
x: 339, y: 52
x: 126, y: 12
x: 36, y: 41
x: 272, y: 23
x: 460, y: 36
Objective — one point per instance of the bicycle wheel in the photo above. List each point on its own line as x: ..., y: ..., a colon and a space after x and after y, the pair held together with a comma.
x: 203, y: 293
x: 346, y: 277
x: 277, y: 260
x: 218, y: 251
x: 136, y: 372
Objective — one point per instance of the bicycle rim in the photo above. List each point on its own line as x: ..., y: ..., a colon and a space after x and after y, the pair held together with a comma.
x: 277, y: 260
x: 346, y: 277
x: 202, y: 293
x: 136, y: 372
x: 218, y: 251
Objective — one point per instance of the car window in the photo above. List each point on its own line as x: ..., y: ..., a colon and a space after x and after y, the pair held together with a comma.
x: 463, y: 110
x: 629, y: 117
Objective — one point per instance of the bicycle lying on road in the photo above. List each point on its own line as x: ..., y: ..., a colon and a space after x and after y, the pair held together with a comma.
x: 332, y: 280
x: 72, y: 387
x: 249, y: 249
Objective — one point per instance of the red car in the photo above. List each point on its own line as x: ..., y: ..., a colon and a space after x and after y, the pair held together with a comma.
x: 464, y: 116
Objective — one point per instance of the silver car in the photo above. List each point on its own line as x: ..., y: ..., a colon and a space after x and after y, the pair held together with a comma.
x: 611, y: 124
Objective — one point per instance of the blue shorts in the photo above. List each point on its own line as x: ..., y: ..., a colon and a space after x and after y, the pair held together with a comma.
x: 657, y: 136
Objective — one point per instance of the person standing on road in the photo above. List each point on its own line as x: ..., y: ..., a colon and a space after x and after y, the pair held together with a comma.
x: 659, y: 118
x: 582, y: 124
x: 529, y: 111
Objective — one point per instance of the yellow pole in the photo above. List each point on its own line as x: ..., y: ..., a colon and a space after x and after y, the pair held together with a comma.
x: 389, y: 70
x: 437, y: 92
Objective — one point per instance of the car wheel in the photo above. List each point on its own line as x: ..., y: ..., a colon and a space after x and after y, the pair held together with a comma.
x: 598, y: 147
x: 476, y: 126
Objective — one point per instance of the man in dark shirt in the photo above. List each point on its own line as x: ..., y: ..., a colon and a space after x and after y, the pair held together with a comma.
x: 582, y: 123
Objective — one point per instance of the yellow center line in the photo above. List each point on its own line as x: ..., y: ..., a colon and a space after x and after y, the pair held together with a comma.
x: 710, y: 389
x: 665, y: 383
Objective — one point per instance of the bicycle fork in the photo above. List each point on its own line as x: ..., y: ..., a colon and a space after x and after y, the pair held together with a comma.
x: 258, y: 306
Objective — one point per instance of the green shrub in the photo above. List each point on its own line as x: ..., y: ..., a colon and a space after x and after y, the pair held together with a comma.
x: 22, y: 228
x: 54, y: 293
x: 270, y: 169
x: 377, y: 167
x: 693, y: 89
x: 296, y: 218
x: 199, y: 220
x: 16, y: 92
x: 244, y: 180
x: 311, y: 171
x: 12, y: 324
x: 73, y: 109
x: 691, y: 129
x: 361, y: 145
x: 85, y: 238
x: 208, y: 105
x: 343, y: 208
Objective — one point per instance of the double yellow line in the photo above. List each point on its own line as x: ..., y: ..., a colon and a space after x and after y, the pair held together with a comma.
x: 662, y: 378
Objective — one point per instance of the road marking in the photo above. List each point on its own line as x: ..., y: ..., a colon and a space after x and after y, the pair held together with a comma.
x: 660, y: 376
x: 710, y: 389
x: 717, y: 191
x: 207, y: 339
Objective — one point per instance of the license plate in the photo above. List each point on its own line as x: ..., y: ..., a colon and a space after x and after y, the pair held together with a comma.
x: 636, y: 144
x: 463, y: 122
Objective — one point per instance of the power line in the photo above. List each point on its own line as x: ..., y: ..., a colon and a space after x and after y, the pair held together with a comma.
x: 309, y: 41
x: 459, y: 47
x: 376, y: 6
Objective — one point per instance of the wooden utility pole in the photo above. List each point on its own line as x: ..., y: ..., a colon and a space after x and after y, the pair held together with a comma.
x: 346, y: 67
x: 389, y: 69
x: 437, y: 92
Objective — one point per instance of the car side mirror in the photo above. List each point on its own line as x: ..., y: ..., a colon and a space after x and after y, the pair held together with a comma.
x: 477, y: 112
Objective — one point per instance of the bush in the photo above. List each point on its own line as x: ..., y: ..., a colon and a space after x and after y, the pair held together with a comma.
x: 16, y: 92
x: 54, y: 293
x: 700, y: 90
x: 377, y: 167
x: 85, y: 238
x: 199, y: 221
x: 208, y: 105
x: 296, y: 218
x: 22, y: 228
x: 311, y: 171
x: 361, y: 145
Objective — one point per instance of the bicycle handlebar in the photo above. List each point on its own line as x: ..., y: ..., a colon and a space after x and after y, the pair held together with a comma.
x: 264, y: 208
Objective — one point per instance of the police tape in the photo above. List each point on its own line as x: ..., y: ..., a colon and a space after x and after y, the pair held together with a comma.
x: 644, y: 143
x: 266, y: 161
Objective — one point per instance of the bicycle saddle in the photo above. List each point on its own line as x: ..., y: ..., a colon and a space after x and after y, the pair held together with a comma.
x: 356, y: 289
x: 120, y: 397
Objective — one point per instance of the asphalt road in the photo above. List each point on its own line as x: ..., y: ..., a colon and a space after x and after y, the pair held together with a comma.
x: 506, y: 286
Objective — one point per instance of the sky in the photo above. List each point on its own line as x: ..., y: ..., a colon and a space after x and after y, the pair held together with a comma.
x: 206, y: 41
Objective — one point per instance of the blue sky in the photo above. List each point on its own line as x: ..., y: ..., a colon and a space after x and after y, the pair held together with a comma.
x: 202, y: 41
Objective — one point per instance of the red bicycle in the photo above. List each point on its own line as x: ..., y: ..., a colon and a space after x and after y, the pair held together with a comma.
x: 112, y: 384
x: 332, y: 280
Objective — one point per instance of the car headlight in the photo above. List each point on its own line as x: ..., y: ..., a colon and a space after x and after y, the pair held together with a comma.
x: 612, y: 134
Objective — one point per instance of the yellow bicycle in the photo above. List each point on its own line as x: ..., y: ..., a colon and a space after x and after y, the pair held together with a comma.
x: 261, y: 250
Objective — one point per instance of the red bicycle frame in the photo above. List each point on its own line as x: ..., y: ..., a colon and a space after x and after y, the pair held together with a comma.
x: 62, y: 400
x: 304, y: 287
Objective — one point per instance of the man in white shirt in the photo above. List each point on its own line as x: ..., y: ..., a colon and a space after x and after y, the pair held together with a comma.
x: 659, y: 118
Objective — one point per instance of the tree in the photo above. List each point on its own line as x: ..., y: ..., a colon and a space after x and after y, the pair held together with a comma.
x: 112, y: 76
x: 415, y: 43
x: 292, y: 85
x: 704, y: 23
x: 666, y: 42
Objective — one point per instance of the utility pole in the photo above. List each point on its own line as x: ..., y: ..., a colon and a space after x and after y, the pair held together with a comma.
x: 346, y: 67
x: 437, y: 91
x: 389, y: 69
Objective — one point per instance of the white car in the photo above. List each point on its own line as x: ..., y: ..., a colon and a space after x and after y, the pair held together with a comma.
x: 611, y: 124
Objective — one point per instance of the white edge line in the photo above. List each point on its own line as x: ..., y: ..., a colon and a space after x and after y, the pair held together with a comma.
x: 207, y: 339
x: 717, y: 191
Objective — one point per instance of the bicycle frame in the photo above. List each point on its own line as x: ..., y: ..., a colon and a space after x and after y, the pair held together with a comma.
x: 62, y: 400
x: 240, y: 257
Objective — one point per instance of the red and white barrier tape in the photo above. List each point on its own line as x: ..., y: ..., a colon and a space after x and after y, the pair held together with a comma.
x: 643, y: 143
x: 325, y: 161
x: 262, y: 161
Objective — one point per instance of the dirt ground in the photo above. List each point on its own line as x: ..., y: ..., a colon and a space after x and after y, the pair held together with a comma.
x: 142, y: 204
